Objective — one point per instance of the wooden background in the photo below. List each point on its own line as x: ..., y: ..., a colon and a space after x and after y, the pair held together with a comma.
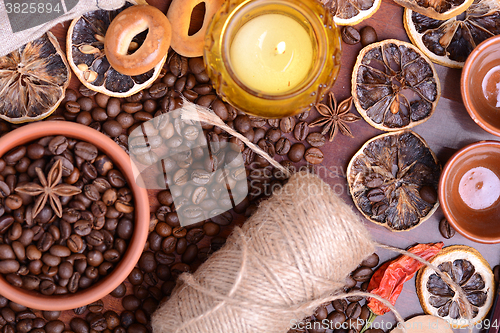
x: 449, y: 129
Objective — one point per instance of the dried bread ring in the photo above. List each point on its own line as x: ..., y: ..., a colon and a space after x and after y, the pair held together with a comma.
x: 125, y: 27
x: 179, y: 14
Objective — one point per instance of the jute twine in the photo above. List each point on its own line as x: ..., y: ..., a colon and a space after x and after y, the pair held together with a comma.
x: 290, y: 257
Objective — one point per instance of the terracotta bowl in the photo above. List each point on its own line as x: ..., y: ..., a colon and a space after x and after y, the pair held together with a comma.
x: 121, y: 160
x: 482, y: 63
x: 469, y: 191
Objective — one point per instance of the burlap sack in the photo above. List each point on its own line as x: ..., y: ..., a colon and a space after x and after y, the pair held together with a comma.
x: 22, y: 21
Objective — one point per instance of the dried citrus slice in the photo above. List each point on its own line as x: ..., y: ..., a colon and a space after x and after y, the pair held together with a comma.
x: 351, y: 12
x: 467, y: 267
x: 437, y: 9
x: 85, y: 50
x: 393, y: 180
x: 33, y: 80
x: 450, y: 42
x: 394, y: 85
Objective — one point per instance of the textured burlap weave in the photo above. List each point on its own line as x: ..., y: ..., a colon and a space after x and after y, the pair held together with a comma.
x: 12, y: 40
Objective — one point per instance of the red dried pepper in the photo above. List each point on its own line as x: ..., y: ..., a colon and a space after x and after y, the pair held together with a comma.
x: 388, y: 280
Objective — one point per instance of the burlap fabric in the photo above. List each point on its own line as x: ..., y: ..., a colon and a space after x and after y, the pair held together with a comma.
x: 22, y: 21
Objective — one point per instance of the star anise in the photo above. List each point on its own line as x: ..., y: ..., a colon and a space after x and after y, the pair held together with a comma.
x: 335, y: 118
x: 49, y: 189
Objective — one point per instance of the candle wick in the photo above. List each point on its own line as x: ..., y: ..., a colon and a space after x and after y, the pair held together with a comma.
x: 280, y: 48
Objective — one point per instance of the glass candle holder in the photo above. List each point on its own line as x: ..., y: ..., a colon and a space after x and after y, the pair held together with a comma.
x: 272, y: 58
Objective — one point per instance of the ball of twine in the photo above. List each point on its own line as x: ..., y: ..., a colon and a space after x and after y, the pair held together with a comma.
x: 298, y: 247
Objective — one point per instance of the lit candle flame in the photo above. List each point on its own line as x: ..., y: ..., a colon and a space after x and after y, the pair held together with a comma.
x: 280, y: 48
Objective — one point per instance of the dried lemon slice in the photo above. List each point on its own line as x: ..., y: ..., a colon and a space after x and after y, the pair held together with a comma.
x: 467, y: 267
x: 33, y: 80
x: 393, y: 180
x: 351, y: 12
x: 450, y: 42
x: 437, y: 9
x: 85, y: 50
x: 394, y: 85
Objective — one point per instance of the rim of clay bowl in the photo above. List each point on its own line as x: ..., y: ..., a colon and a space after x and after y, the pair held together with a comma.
x: 445, y: 175
x: 122, y: 161
x: 466, y: 72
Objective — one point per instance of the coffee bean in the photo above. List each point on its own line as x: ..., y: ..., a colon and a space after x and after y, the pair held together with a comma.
x: 287, y: 124
x: 301, y: 131
x: 195, y: 235
x: 336, y: 319
x: 54, y: 326
x: 350, y: 35
x: 224, y: 218
x: 119, y: 291
x: 72, y: 107
x: 368, y: 35
x: 428, y: 193
x: 296, y: 152
x: 96, y: 307
x: 316, y: 139
x: 178, y: 65
x: 113, y: 128
x: 314, y: 155
x: 113, y: 107
x: 353, y: 310
x: 147, y: 262
x: 158, y: 90
x: 349, y: 282
x: 354, y: 298
x: 60, y: 251
x: 321, y: 313
x: 340, y: 305
x: 17, y: 281
x: 86, y: 151
x: 9, y: 266
x: 273, y: 135
x: 196, y: 65
x: 78, y: 325
x: 6, y: 252
x: 446, y: 229
x: 362, y: 274
x: 371, y: 261
x: 283, y: 146
x: 131, y: 303
x: 132, y: 107
x: 242, y: 123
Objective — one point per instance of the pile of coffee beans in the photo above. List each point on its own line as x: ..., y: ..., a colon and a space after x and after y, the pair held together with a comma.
x: 344, y: 315
x: 18, y: 318
x: 52, y: 254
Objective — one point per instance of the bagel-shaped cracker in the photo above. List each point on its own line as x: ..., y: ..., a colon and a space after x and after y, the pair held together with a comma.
x: 179, y: 15
x: 125, y: 27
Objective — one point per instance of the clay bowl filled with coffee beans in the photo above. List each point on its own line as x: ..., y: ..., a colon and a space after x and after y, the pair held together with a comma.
x: 73, y: 221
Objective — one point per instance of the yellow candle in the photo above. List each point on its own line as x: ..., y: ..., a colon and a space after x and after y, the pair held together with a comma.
x: 271, y: 53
